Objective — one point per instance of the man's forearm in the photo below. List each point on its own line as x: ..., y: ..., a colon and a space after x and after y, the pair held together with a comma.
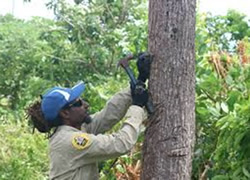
x: 112, y: 113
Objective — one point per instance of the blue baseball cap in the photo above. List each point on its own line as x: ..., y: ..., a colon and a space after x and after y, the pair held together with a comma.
x: 56, y: 98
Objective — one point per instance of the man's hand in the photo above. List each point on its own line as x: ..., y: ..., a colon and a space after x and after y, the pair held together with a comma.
x: 139, y: 94
x: 143, y: 66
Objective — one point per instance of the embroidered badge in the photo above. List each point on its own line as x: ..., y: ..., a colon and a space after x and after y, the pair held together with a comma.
x: 80, y: 141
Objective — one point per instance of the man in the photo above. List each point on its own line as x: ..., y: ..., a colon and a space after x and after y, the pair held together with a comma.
x: 78, y: 143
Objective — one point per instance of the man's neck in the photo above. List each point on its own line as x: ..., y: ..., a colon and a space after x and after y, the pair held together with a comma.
x: 73, y: 125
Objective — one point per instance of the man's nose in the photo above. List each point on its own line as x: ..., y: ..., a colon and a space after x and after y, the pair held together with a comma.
x: 85, y: 104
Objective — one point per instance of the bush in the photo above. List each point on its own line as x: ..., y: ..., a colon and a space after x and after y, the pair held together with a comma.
x: 23, y: 155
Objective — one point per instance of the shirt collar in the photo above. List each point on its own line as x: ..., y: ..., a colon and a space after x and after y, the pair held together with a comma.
x: 67, y: 128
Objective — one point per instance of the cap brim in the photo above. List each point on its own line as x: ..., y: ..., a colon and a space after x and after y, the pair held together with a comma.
x: 77, y: 90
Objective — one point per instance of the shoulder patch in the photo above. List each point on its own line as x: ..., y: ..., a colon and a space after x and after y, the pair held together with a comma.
x: 80, y: 141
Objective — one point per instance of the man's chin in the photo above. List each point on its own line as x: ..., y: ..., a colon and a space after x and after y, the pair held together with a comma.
x: 87, y: 120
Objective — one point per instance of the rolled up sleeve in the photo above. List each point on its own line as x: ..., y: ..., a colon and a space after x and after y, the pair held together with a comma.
x: 113, y: 112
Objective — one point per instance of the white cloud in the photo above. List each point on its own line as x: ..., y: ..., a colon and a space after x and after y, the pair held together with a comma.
x: 24, y: 10
x: 220, y: 7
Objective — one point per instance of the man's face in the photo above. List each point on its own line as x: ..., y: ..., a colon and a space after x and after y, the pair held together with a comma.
x: 78, y: 111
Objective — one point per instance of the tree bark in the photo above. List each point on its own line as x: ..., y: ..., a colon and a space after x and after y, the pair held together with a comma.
x: 169, y: 137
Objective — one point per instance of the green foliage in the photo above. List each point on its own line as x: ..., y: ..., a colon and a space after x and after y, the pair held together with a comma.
x: 223, y: 119
x: 83, y: 44
x: 227, y: 30
x: 23, y: 155
x: 98, y: 95
x: 102, y: 31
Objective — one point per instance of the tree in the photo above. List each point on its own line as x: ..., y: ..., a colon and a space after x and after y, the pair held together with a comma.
x: 169, y: 137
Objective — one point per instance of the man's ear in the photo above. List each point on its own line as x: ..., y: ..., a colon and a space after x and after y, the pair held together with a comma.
x: 64, y: 113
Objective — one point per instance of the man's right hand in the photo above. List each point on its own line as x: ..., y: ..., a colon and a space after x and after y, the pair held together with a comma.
x: 139, y: 94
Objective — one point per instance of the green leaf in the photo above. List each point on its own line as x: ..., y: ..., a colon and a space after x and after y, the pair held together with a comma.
x: 220, y: 177
x: 229, y: 80
x: 233, y: 97
x: 237, y: 172
x: 224, y: 107
x: 214, y: 111
x: 120, y: 168
x: 245, y: 171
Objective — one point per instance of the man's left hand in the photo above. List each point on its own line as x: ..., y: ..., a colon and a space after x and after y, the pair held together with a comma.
x: 143, y: 65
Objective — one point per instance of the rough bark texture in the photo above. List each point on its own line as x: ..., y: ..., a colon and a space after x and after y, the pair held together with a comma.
x: 169, y: 136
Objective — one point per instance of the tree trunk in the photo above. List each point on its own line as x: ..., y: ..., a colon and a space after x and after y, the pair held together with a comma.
x: 169, y: 137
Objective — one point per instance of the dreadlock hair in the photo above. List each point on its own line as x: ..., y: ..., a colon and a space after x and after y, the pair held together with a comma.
x: 34, y: 113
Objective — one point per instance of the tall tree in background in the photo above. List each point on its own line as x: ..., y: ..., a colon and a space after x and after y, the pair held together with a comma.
x: 170, y: 134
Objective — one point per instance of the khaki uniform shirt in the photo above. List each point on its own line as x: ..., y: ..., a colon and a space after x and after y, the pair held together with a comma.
x: 74, y: 154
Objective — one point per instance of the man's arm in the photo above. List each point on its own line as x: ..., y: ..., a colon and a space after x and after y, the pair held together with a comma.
x: 101, y: 147
x: 112, y: 113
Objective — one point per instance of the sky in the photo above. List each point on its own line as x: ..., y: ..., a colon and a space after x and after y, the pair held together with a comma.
x: 220, y: 7
x: 25, y: 10
x: 37, y: 7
